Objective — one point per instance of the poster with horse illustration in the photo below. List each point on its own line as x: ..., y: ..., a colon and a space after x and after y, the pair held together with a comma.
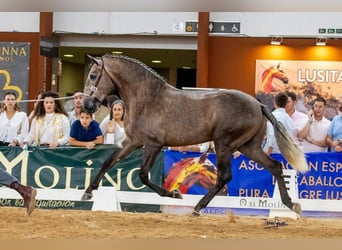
x: 308, y: 79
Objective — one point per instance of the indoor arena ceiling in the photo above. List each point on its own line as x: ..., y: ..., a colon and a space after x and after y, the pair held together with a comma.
x: 170, y: 58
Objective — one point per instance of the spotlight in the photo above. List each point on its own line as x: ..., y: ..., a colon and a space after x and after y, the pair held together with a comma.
x: 321, y: 41
x: 276, y: 40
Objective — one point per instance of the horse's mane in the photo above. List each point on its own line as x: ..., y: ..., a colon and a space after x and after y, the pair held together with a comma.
x: 139, y: 63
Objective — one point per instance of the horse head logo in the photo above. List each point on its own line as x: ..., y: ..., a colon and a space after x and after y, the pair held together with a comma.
x: 269, y: 74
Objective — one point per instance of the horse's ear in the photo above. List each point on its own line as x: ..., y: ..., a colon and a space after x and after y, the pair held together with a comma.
x: 93, y: 59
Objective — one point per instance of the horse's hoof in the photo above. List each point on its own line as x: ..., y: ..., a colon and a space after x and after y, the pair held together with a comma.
x: 296, y: 208
x: 87, y: 196
x: 195, y: 213
x: 176, y: 194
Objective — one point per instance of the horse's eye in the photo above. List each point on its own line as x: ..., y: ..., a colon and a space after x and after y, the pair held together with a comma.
x: 92, y: 77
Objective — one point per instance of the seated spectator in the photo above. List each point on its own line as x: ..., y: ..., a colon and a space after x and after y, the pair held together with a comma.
x: 14, y: 124
x: 112, y: 126
x: 334, y: 137
x: 85, y: 132
x: 316, y: 128
x: 78, y: 104
x: 50, y: 124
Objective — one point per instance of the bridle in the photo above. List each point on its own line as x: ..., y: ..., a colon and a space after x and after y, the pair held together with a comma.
x: 93, y: 88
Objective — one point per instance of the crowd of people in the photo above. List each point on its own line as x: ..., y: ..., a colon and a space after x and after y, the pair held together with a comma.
x: 50, y: 125
x: 312, y: 131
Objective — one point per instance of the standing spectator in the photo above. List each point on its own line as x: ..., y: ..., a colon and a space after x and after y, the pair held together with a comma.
x: 100, y: 114
x: 28, y: 193
x: 316, y: 128
x: 280, y: 101
x: 85, y: 132
x: 38, y: 98
x: 298, y: 118
x: 109, y: 101
x: 334, y: 137
x: 14, y: 124
x: 112, y: 127
x: 78, y: 104
x: 50, y: 125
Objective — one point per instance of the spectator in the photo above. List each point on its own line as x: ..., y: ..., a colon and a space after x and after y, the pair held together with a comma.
x: 100, y: 114
x: 112, y: 127
x: 38, y: 97
x: 334, y: 137
x: 280, y: 101
x: 28, y: 193
x: 50, y: 124
x: 109, y: 101
x: 78, y: 104
x: 298, y: 118
x: 269, y: 142
x: 316, y: 128
x: 14, y: 124
x: 85, y: 132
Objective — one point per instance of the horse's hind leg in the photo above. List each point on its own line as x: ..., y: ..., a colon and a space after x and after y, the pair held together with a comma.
x: 224, y: 175
x: 275, y: 167
x: 149, y: 156
x: 109, y: 163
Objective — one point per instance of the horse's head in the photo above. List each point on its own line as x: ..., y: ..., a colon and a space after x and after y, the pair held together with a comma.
x: 278, y: 73
x: 97, y: 86
x: 269, y: 74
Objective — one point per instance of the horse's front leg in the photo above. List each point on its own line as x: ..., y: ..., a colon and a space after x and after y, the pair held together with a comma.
x: 109, y: 163
x: 149, y: 156
x: 224, y: 175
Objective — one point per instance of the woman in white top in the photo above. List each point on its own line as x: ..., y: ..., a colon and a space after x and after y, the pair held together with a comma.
x: 14, y: 124
x: 50, y: 124
x: 112, y: 126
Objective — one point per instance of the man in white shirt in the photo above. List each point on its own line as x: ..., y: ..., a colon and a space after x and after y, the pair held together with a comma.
x: 299, y: 118
x: 280, y: 101
x: 78, y: 103
x: 316, y: 128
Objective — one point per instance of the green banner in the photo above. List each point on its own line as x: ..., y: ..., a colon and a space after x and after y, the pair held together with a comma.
x: 74, y: 168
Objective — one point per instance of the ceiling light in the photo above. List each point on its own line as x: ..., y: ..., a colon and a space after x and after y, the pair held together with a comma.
x: 156, y: 61
x: 186, y: 67
x: 276, y: 40
x: 321, y: 41
x: 117, y: 52
x: 68, y: 55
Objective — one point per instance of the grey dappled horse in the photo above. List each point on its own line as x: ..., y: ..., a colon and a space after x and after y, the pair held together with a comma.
x: 157, y: 115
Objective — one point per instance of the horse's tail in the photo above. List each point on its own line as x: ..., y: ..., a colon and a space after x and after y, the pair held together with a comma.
x: 287, y: 146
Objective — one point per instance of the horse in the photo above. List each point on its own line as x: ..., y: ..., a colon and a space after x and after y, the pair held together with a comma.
x: 269, y: 74
x: 159, y: 115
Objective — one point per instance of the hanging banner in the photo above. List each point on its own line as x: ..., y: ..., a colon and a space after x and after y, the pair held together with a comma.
x: 14, y: 70
x: 323, y: 181
x: 308, y: 79
x: 73, y: 168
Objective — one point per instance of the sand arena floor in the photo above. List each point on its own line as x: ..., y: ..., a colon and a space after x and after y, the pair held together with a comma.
x: 71, y: 224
